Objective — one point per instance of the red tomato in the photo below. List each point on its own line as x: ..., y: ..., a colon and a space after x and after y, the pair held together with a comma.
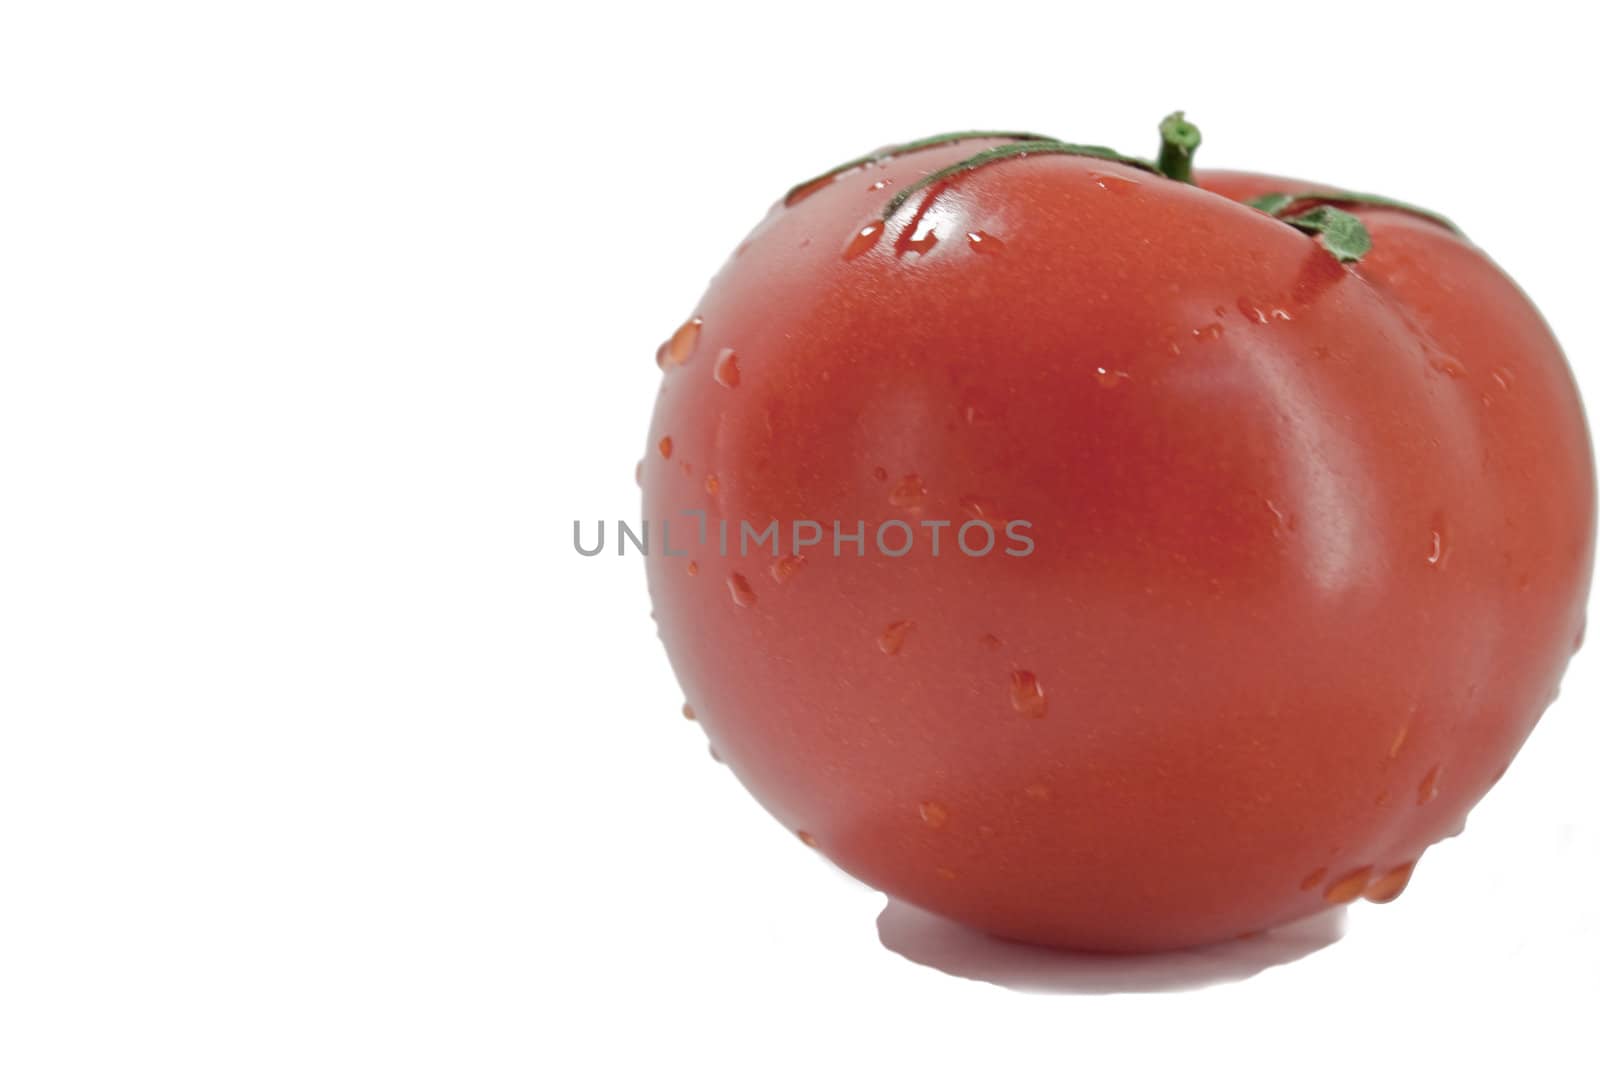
x: 1312, y: 541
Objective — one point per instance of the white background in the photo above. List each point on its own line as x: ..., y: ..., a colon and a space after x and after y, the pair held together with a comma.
x: 321, y: 322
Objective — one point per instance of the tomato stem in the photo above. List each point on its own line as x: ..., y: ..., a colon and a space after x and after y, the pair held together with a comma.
x: 1179, y: 139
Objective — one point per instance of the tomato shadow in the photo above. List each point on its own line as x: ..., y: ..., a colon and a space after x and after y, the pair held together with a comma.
x: 956, y: 950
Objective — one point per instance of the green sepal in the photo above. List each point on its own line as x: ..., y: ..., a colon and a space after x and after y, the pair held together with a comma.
x: 1046, y: 147
x: 1340, y: 232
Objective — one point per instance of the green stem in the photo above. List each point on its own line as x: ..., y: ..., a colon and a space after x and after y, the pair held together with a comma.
x: 1179, y: 139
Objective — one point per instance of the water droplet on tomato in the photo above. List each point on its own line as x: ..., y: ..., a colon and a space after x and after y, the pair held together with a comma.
x: 1314, y: 879
x: 864, y: 239
x: 1209, y: 332
x: 1110, y: 379
x: 1249, y: 310
x: 1399, y: 741
x: 880, y: 474
x: 665, y: 446
x: 783, y: 568
x: 681, y: 345
x: 1428, y: 788
x: 1349, y: 887
x: 1027, y: 695
x: 727, y: 368
x: 1390, y: 884
x: 1114, y: 183
x: 740, y: 589
x: 985, y: 243
x: 894, y: 636
x: 981, y: 508
x: 1503, y: 377
x: 713, y: 485
x: 922, y: 240
x: 638, y: 473
x: 933, y: 813
x: 693, y: 568
x: 806, y: 839
x: 1438, y: 546
x: 688, y: 713
x: 908, y: 492
x: 1448, y: 366
x: 879, y: 185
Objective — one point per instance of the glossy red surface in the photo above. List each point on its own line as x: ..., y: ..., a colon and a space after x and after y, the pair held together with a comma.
x: 1312, y: 543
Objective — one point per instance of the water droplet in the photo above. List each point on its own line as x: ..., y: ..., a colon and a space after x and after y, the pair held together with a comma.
x: 739, y: 587
x: 894, y: 636
x: 981, y: 508
x: 1114, y: 183
x: 908, y: 493
x: 638, y: 473
x: 1282, y: 315
x: 693, y: 568
x: 1110, y: 379
x: 1399, y: 741
x: 946, y: 873
x: 1209, y: 332
x: 783, y: 568
x: 1027, y: 695
x: 713, y: 485
x: 933, y: 813
x: 661, y: 355
x: 688, y: 713
x: 879, y: 185
x: 1502, y: 377
x: 1037, y: 791
x: 806, y: 839
x: 685, y: 466
x: 880, y: 474
x: 1282, y: 521
x: 727, y: 369
x: 921, y: 241
x: 1314, y: 879
x: 1428, y: 788
x: 1448, y: 366
x: 1248, y: 309
x: 985, y: 243
x: 1438, y: 544
x: 680, y: 346
x: 864, y: 239
x: 665, y: 445
x: 1390, y: 884
x: 1349, y: 887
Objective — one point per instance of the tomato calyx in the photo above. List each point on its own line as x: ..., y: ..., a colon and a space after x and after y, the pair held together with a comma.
x: 1042, y: 147
x: 1311, y: 211
x: 1287, y: 205
x: 799, y: 192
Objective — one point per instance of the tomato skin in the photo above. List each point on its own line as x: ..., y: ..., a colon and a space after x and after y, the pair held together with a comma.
x: 1312, y: 543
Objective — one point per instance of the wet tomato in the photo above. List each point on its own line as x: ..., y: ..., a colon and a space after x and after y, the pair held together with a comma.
x: 1310, y: 501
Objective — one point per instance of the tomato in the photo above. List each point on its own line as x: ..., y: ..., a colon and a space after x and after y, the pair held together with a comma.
x: 1311, y: 539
